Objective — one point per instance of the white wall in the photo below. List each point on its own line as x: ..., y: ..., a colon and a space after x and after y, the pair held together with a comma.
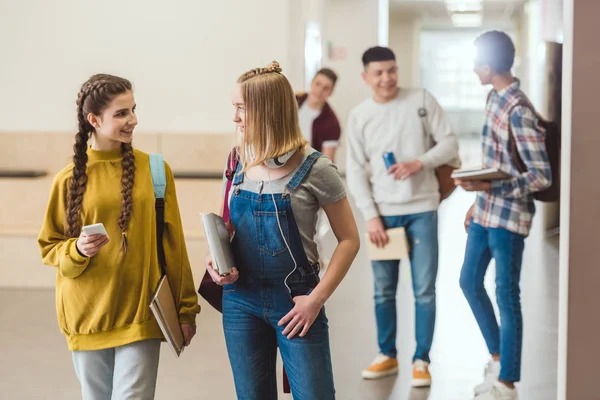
x: 183, y: 57
x: 351, y: 24
x: 543, y: 22
x: 300, y: 12
x: 404, y: 41
x: 534, y: 57
x: 294, y: 71
x: 565, y: 198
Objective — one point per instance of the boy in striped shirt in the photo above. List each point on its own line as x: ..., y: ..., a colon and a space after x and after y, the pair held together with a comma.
x: 500, y: 220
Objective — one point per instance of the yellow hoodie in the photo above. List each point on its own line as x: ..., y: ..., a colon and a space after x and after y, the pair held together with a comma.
x: 103, y: 301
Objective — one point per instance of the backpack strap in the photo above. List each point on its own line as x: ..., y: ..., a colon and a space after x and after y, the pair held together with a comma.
x: 514, y: 150
x: 230, y: 174
x: 159, y: 182
x: 423, y: 114
x: 512, y: 141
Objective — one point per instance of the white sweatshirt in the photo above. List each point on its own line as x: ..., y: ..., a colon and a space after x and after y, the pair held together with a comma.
x: 374, y: 128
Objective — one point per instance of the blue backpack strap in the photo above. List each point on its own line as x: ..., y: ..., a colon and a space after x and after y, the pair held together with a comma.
x: 159, y: 179
x: 159, y: 182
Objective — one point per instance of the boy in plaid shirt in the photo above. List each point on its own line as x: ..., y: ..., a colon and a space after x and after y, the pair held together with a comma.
x: 500, y: 220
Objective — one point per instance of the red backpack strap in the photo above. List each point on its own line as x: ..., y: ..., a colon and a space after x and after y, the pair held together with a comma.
x: 232, y: 164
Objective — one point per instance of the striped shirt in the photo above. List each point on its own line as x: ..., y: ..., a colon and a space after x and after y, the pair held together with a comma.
x: 509, y: 204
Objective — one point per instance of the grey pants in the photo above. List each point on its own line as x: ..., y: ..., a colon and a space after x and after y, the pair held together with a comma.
x: 120, y: 373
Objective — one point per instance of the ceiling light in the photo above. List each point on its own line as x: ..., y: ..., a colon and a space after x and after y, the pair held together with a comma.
x: 466, y: 20
x: 468, y: 2
x: 462, y: 7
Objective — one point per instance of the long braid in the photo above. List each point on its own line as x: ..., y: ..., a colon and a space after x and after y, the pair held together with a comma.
x: 127, y: 181
x: 78, y: 182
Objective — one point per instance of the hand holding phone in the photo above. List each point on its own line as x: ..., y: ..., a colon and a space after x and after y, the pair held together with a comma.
x: 95, y: 229
x: 92, y: 239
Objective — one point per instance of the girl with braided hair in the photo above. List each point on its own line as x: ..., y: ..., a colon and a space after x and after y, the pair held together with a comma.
x: 275, y: 297
x: 104, y: 286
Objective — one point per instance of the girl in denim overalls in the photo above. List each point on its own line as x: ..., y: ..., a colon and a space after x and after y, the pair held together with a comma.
x: 275, y: 297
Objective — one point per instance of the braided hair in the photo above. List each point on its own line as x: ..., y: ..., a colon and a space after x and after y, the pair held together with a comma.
x: 95, y: 95
x: 269, y: 69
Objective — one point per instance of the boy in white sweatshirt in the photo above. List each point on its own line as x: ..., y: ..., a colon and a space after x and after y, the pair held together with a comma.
x: 404, y: 195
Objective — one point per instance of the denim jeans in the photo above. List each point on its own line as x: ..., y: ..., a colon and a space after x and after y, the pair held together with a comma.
x: 251, y: 312
x: 506, y: 248
x: 273, y: 270
x: 422, y: 234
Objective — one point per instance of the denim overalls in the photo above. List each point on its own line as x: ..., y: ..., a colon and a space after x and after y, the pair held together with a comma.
x: 253, y: 305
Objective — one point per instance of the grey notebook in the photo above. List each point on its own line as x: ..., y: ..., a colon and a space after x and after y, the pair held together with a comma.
x: 218, y: 241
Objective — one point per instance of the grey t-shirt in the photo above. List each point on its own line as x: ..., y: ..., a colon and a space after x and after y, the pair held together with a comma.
x: 321, y: 185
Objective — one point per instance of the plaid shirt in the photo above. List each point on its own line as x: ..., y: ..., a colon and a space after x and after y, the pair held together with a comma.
x: 509, y: 204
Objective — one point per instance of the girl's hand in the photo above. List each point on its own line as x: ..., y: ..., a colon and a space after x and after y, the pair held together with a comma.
x: 89, y: 246
x: 301, y: 317
x: 218, y: 279
x: 188, y: 333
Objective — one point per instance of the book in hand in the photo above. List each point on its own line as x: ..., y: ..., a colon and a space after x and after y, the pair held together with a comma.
x: 397, y: 247
x: 480, y: 174
x: 219, y: 245
x: 167, y: 316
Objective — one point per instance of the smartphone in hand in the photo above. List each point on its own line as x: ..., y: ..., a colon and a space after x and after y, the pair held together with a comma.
x: 95, y: 229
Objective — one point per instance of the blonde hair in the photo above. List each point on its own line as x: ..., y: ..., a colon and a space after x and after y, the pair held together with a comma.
x: 271, y: 124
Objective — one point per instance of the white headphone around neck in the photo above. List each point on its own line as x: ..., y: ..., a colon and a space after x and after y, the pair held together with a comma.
x: 280, y: 161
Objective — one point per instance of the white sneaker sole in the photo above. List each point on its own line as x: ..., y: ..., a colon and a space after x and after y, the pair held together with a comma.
x: 481, y: 391
x: 421, y: 383
x: 379, y: 375
x: 483, y: 388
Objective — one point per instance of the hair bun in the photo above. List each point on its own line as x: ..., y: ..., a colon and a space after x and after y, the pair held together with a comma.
x: 274, y: 67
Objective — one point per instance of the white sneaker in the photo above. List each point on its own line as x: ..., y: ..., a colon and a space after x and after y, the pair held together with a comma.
x: 491, y: 374
x: 499, y: 392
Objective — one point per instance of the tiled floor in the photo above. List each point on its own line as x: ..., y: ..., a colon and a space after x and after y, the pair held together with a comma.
x: 37, y: 365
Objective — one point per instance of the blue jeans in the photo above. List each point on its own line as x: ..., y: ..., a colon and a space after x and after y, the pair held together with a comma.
x: 506, y: 248
x: 273, y: 270
x: 251, y: 312
x: 422, y: 234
